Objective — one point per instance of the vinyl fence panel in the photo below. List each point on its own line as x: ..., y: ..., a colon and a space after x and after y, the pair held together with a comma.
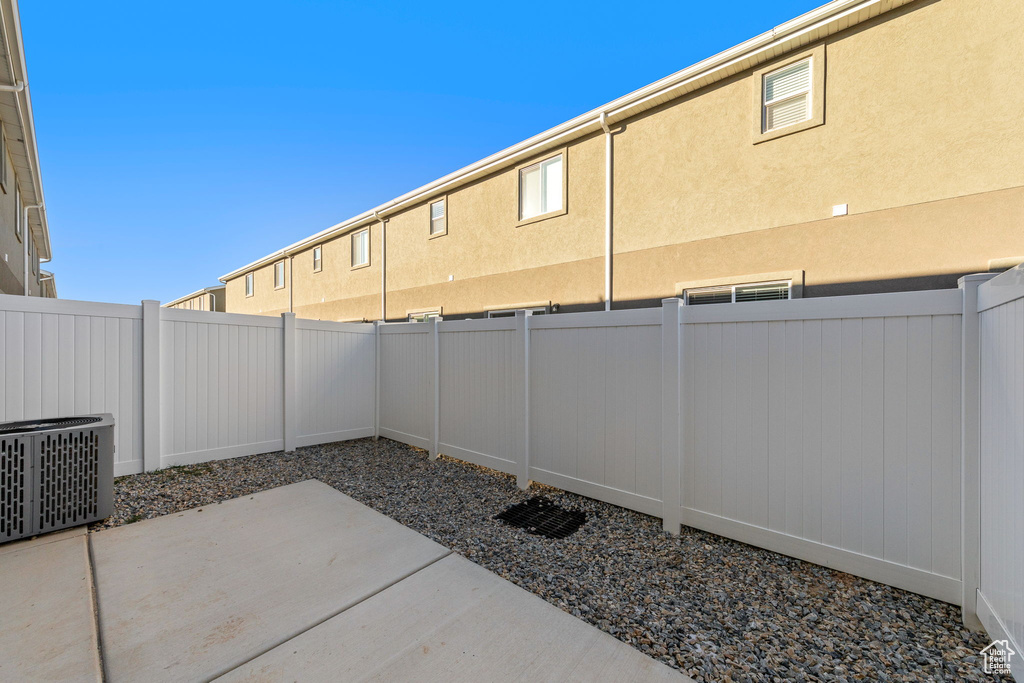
x: 60, y: 358
x: 221, y: 384
x: 334, y: 381
x: 479, y: 369
x: 1001, y: 593
x: 595, y: 405
x: 406, y: 383
x: 830, y: 433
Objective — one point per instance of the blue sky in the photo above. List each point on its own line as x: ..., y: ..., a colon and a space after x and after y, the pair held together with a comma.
x: 179, y: 141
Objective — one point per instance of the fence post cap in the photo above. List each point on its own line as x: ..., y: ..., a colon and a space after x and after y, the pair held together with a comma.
x: 974, y: 277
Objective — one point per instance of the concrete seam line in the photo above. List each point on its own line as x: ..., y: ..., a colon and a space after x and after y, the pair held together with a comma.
x: 312, y: 626
x: 94, y: 595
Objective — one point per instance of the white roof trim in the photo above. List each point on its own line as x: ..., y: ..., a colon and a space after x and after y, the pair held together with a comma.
x: 204, y: 290
x: 828, y: 19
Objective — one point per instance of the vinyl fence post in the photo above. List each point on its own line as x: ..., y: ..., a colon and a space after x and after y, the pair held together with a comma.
x: 671, y: 415
x: 435, y: 389
x: 150, y: 385
x: 523, y: 398
x: 376, y: 380
x: 970, y: 449
x: 288, y: 327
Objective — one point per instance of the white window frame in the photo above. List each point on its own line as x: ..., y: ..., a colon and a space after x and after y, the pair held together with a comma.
x: 510, y: 312
x: 19, y: 229
x: 732, y: 290
x: 3, y: 159
x: 424, y: 316
x: 443, y: 230
x: 543, y: 165
x: 352, y: 248
x: 279, y: 270
x: 318, y: 259
x: 809, y: 91
x: 250, y: 287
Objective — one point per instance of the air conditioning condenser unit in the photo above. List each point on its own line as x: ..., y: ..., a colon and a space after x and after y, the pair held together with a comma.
x: 55, y: 473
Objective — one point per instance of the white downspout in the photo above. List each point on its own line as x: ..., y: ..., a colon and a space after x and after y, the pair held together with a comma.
x: 383, y: 266
x: 26, y: 235
x: 607, y: 212
x: 291, y: 284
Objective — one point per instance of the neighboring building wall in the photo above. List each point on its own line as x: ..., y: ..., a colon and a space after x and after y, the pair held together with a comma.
x: 922, y: 137
x: 12, y: 249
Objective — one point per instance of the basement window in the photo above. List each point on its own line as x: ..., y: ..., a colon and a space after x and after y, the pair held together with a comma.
x: 438, y: 218
x: 731, y: 294
x: 248, y: 284
x: 361, y: 248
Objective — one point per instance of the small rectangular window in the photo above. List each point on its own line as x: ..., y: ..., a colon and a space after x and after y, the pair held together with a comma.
x: 424, y: 316
x: 787, y: 96
x: 438, y: 224
x: 361, y: 247
x: 279, y: 275
x: 318, y: 259
x: 727, y: 294
x: 248, y: 284
x: 540, y: 188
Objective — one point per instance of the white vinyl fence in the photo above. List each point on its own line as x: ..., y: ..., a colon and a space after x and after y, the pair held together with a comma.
x: 826, y: 429
x: 829, y: 430
x: 1001, y: 457
x: 882, y: 435
x: 835, y: 430
x: 72, y: 358
x: 187, y: 386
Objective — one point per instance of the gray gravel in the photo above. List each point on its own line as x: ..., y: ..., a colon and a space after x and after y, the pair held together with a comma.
x: 714, y: 608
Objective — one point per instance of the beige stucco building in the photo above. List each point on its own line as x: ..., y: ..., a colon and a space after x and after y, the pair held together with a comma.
x: 24, y: 234
x: 867, y: 146
x: 205, y: 299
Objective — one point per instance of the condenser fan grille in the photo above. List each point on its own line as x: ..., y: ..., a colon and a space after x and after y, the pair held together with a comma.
x: 28, y: 426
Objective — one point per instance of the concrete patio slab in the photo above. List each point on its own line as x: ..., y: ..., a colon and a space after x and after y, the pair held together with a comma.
x: 454, y: 621
x: 193, y: 595
x: 52, y: 537
x: 47, y: 623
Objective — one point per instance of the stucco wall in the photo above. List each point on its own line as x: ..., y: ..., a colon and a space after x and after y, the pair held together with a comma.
x: 922, y: 138
x: 920, y: 105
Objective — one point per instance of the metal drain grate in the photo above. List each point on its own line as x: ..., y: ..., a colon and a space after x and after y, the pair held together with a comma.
x: 543, y: 518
